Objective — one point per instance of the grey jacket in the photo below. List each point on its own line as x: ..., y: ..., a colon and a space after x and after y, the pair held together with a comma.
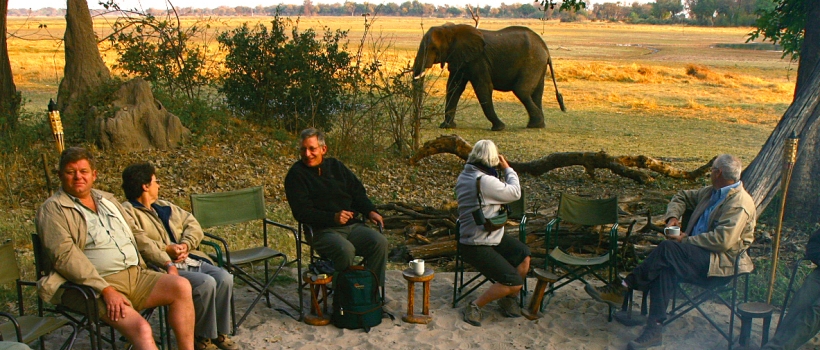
x: 731, y: 226
x: 63, y: 231
x: 494, y: 193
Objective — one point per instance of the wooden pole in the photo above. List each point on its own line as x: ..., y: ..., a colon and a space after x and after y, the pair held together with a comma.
x: 789, y: 158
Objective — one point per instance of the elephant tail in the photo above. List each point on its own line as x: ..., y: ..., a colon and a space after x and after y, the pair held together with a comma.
x: 558, y: 95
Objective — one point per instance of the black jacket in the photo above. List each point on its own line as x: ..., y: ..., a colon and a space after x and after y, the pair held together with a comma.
x: 813, y: 248
x: 316, y: 194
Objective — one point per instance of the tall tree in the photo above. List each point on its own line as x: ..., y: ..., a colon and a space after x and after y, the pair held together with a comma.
x: 9, y: 97
x: 84, y: 68
x: 796, y: 25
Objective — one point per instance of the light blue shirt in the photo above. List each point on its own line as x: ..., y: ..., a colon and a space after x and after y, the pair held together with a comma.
x: 717, y: 197
x: 109, y: 246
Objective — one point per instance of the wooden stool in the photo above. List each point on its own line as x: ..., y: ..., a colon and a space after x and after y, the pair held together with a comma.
x: 412, y: 278
x: 544, y: 278
x: 317, y: 316
x: 748, y: 312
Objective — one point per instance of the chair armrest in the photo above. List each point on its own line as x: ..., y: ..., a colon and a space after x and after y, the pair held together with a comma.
x: 216, y: 248
x: 13, y: 320
x: 522, y: 229
x: 552, y: 227
x: 220, y: 261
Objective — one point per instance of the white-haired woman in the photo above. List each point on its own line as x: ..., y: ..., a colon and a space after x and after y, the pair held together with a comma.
x: 501, y: 258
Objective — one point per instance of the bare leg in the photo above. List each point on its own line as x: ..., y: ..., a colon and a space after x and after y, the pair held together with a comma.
x: 175, y: 292
x: 135, y: 328
x: 495, y: 292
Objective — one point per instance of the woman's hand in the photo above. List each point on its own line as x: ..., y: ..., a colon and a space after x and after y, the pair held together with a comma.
x: 502, y: 162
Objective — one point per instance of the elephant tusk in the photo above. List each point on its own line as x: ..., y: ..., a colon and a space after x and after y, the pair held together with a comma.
x: 420, y: 75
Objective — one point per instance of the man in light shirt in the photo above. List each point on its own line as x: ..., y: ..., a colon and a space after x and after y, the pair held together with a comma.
x: 721, y: 226
x: 90, y: 242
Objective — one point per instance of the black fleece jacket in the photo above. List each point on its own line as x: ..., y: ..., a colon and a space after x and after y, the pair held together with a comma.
x: 813, y: 248
x: 316, y: 194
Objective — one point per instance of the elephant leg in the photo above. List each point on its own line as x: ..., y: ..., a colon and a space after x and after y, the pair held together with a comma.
x: 455, y: 87
x: 532, y: 102
x: 484, y: 92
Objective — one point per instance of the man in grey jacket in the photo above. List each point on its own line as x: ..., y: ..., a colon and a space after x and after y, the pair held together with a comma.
x: 90, y: 241
x: 721, y: 226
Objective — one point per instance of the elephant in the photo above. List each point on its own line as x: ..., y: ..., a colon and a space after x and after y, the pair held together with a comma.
x: 511, y: 59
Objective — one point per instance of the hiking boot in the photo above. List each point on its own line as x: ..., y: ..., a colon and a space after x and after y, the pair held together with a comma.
x: 225, y: 343
x: 612, y: 294
x: 204, y: 344
x: 652, y: 336
x: 472, y: 314
x: 509, y: 307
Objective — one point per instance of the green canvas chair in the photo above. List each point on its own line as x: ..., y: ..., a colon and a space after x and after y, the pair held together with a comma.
x: 234, y: 207
x: 585, y: 212
x: 26, y: 328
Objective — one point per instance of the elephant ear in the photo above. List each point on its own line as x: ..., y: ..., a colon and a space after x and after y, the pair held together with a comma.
x: 467, y: 45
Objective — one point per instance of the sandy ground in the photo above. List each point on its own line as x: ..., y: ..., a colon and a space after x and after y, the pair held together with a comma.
x: 572, y: 321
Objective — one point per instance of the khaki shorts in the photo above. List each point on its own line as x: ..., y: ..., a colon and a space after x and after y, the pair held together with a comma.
x: 134, y: 282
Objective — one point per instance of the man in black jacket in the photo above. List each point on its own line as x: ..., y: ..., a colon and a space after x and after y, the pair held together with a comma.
x: 802, y: 320
x: 325, y: 194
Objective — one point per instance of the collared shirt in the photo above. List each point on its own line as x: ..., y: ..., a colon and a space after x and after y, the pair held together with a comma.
x: 109, y: 247
x: 717, y: 197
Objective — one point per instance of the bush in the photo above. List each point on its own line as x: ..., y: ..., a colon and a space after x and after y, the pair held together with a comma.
x: 293, y: 82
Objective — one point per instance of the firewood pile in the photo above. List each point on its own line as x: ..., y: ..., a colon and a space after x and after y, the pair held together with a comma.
x: 429, y: 233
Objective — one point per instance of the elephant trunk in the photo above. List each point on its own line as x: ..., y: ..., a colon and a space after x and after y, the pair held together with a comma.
x: 422, y: 62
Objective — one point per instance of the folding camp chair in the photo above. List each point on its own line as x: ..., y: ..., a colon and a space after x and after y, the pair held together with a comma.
x: 233, y: 207
x: 696, y: 294
x: 27, y: 328
x: 80, y: 306
x: 304, y: 237
x: 585, y: 212
x: 461, y: 287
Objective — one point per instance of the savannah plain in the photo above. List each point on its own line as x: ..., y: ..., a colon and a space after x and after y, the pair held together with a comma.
x: 681, y: 94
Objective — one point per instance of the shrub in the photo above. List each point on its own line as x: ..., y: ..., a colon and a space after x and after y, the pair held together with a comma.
x: 293, y: 82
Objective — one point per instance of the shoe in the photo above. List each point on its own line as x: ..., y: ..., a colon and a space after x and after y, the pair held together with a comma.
x: 612, y: 294
x: 204, y: 344
x: 472, y: 314
x: 652, y: 336
x: 225, y: 343
x: 509, y: 307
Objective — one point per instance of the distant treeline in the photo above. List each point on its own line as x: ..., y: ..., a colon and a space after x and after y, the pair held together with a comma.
x: 697, y: 12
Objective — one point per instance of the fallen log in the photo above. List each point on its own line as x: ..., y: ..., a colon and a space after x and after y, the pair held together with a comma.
x: 621, y: 165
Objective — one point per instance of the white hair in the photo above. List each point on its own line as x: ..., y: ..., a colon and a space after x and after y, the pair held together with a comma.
x: 484, y: 152
x: 729, y: 166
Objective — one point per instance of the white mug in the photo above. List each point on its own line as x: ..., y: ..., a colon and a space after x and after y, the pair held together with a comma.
x: 673, y: 231
x: 417, y: 266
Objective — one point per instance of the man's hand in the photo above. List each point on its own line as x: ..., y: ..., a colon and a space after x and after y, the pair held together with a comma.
x: 678, y: 238
x: 673, y: 221
x: 115, y: 303
x: 342, y: 217
x: 177, y: 252
x: 502, y: 162
x: 376, y: 218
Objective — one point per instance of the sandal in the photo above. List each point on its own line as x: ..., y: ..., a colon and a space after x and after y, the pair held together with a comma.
x: 225, y: 343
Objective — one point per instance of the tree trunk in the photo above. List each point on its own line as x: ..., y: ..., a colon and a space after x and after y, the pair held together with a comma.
x: 9, y: 97
x: 810, y: 49
x: 762, y: 177
x: 84, y: 67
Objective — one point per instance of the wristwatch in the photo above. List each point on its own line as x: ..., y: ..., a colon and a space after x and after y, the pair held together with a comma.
x: 169, y: 264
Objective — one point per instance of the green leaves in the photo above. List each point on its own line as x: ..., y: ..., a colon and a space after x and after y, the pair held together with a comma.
x: 784, y: 24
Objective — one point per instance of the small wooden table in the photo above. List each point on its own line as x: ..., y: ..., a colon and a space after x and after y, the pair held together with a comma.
x: 750, y: 311
x: 317, y: 316
x: 412, y: 278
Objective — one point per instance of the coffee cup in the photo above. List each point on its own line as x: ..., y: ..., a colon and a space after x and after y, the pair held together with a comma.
x: 418, y: 266
x: 673, y: 231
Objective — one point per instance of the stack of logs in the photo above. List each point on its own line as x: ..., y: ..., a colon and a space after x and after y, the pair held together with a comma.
x: 429, y: 233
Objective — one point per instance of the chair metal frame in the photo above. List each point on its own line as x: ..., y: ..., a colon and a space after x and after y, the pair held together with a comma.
x: 578, y: 268
x: 710, y: 291
x: 28, y: 328
x: 462, y: 288
x: 88, y: 319
x: 232, y: 261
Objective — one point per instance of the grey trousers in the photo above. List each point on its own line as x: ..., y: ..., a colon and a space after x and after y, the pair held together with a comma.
x: 212, y: 288
x: 802, y: 319
x: 342, y: 244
